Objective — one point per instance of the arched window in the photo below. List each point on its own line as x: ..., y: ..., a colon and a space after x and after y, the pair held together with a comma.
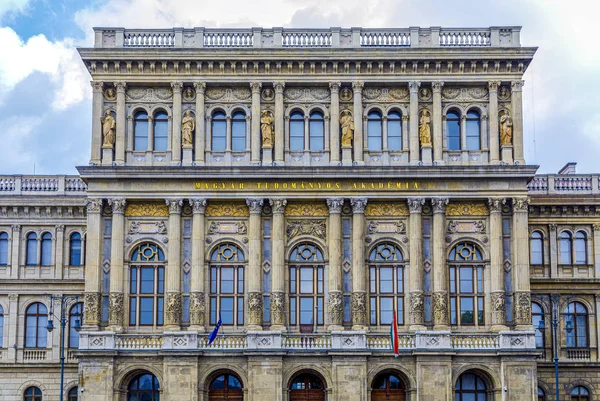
x: 1, y: 326
x: 473, y: 130
x: 73, y: 394
x: 140, y: 131
x: 536, y: 248
x: 161, y: 131
x: 227, y: 285
x: 453, y: 130
x: 387, y: 387
x: 386, y: 284
x: 146, y: 285
x: 238, y: 131
x: 566, y: 244
x: 306, y: 286
x: 470, y: 387
x: 75, y: 251
x: 225, y: 387
x: 541, y: 396
x: 3, y: 249
x: 46, y: 249
x: 466, y: 285
x: 296, y: 131
x: 537, y: 315
x: 374, y: 131
x: 32, y: 244
x: 144, y: 387
x: 580, y: 248
x: 316, y: 129
x: 75, y: 319
x: 576, y: 322
x: 32, y: 394
x: 307, y: 387
x: 580, y: 393
x: 394, y: 131
x: 219, y: 131
x: 36, y: 320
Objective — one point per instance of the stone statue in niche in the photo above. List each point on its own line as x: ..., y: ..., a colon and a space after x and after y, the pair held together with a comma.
x: 506, y: 130
x: 108, y: 130
x: 266, y: 128
x: 187, y: 129
x: 425, y: 128
x: 347, y: 123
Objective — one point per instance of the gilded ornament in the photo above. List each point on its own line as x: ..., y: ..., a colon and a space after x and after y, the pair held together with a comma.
x: 187, y: 129
x: 188, y: 94
x: 307, y: 210
x: 313, y: 228
x: 347, y: 124
x: 268, y: 95
x: 506, y: 129
x: 267, y: 129
x: 146, y: 210
x: 110, y: 94
x: 336, y: 308
x: 227, y: 209
x: 379, y: 209
x: 425, y: 128
x: 466, y: 209
x: 108, y: 129
x: 345, y: 94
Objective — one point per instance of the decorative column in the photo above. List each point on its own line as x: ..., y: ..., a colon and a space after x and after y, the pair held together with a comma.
x: 255, y: 297
x: 463, y: 139
x: 256, y: 140
x: 13, y: 328
x: 516, y: 100
x: 200, y: 139
x: 121, y: 118
x: 497, y: 265
x: 553, y: 247
x: 334, y: 130
x: 438, y: 158
x: 197, y: 300
x: 176, y: 132
x: 117, y: 235
x: 92, y: 264
x: 359, y: 274
x: 413, y: 122
x: 520, y: 226
x: 494, y: 133
x: 279, y: 128
x: 336, y: 299
x: 278, y: 286
x: 60, y: 247
x: 358, y: 142
x: 440, y: 272
x: 14, y: 254
x: 415, y: 277
x: 173, y: 279
x: 97, y: 106
x: 596, y: 250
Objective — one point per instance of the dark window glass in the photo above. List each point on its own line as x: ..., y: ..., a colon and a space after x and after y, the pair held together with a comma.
x: 3, y: 249
x: 238, y: 132
x: 316, y: 128
x: 36, y: 320
x: 73, y: 394
x: 374, y: 131
x: 140, y: 131
x: 161, y: 131
x: 75, y: 254
x: 296, y: 131
x: 565, y: 248
x: 394, y: 128
x: 537, y: 248
x: 473, y: 131
x: 580, y: 248
x: 219, y: 131
x: 32, y: 394
x: 306, y: 381
x: 470, y: 387
x: 580, y: 393
x: 453, y: 130
x: 75, y: 318
x: 576, y: 318
x: 537, y: 315
x: 144, y: 387
x: 46, y: 249
x: 31, y: 250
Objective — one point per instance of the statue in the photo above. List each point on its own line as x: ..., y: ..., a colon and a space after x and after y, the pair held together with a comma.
x: 266, y: 128
x: 506, y: 132
x: 187, y: 128
x: 425, y: 129
x: 108, y: 130
x: 347, y: 123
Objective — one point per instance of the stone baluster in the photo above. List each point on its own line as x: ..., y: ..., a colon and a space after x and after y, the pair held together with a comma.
x: 440, y: 271
x: 438, y: 139
x: 358, y: 141
x: 278, y: 249
x: 415, y: 277
x: 197, y: 299
x: 116, y: 300
x: 497, y: 268
x: 516, y: 101
x: 359, y: 273
x: 173, y: 275
x: 176, y: 131
x: 334, y: 130
x: 494, y: 129
x: 200, y: 140
x: 121, y: 119
x: 255, y: 300
x: 336, y: 299
x: 520, y: 228
x: 413, y: 122
x: 256, y: 139
x: 279, y: 128
x: 97, y: 111
x: 92, y: 264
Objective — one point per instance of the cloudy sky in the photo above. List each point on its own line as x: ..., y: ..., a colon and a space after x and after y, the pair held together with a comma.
x: 45, y: 96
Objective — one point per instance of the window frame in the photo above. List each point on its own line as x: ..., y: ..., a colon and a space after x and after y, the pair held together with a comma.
x: 315, y: 264
x: 574, y: 333
x: 477, y: 295
x: 238, y: 119
x: 536, y: 237
x: 375, y: 122
x: 297, y: 121
x: 36, y: 394
x: 160, y: 117
x: 154, y: 391
x: 459, y: 391
x: 138, y: 263
x: 377, y: 262
x: 316, y: 117
x: 72, y: 250
x: 473, y: 116
x: 31, y: 250
x: 140, y: 130
x: 537, y: 331
x: 219, y: 262
x: 394, y: 117
x: 41, y: 321
x: 4, y: 248
x: 454, y: 119
x: 218, y: 117
x: 76, y: 311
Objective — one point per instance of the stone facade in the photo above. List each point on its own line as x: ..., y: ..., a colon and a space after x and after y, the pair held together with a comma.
x: 303, y: 186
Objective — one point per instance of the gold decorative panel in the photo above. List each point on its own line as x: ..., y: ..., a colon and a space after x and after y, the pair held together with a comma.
x: 147, y: 210
x: 467, y: 209
x: 307, y: 210
x: 227, y: 210
x: 386, y: 209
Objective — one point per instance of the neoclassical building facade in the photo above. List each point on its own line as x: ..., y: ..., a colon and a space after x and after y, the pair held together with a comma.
x: 303, y: 187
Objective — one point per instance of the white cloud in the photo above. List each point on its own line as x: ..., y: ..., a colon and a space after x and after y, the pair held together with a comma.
x: 12, y: 6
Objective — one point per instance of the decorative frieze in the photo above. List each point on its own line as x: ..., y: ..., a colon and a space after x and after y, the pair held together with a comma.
x: 227, y: 227
x: 381, y: 209
x: 306, y: 95
x: 395, y: 227
x: 466, y: 209
x: 313, y: 228
x: 149, y: 95
x: 386, y: 94
x: 471, y: 94
x: 143, y: 227
x: 459, y: 226
x: 228, y: 94
x: 146, y: 210
x: 227, y: 210
x: 306, y: 210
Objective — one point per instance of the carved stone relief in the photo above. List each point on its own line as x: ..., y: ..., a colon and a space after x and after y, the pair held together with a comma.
x: 359, y: 308
x: 227, y: 227
x: 255, y: 308
x: 197, y: 308
x: 378, y: 209
x: 417, y: 308
x: 440, y: 307
x: 92, y: 308
x: 314, y: 228
x: 277, y: 308
x: 336, y: 308
x: 142, y: 227
x: 455, y: 226
x: 472, y: 94
x: 307, y: 210
x: 149, y: 94
x: 396, y: 227
x: 523, y: 307
x: 385, y: 94
x: 498, y: 308
x: 115, y: 309
x: 226, y: 209
x: 466, y: 209
x: 173, y: 309
x: 228, y: 94
x: 146, y: 210
x: 306, y: 94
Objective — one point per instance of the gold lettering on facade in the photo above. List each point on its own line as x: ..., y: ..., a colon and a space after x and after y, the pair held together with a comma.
x: 379, y: 209
x: 147, y: 210
x: 466, y: 209
x: 307, y: 185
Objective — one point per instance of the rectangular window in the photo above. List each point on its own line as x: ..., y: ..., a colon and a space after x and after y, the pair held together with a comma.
x: 373, y: 280
x: 297, y: 135
x: 227, y: 309
x: 374, y: 130
x: 466, y: 280
x: 386, y: 282
x: 320, y: 311
x: 386, y: 313
x: 292, y: 280
x: 219, y: 135
x: 467, y: 309
x: 238, y: 135
x: 316, y: 135
x: 480, y: 310
x: 453, y: 318
x: 453, y: 134
x: 400, y: 310
x: 240, y: 280
x: 159, y: 311
x: 292, y: 311
x: 213, y: 311
x: 373, y: 307
x: 306, y: 311
x: 267, y: 239
x: 240, y: 311
x: 132, y: 311
x: 146, y: 311
x: 267, y: 309
x: 147, y: 280
x: 394, y: 134
x: 306, y: 280
x: 227, y: 281
x: 213, y: 280
x: 319, y: 280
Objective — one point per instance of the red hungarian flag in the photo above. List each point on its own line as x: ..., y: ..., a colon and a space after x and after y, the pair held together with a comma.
x: 394, y: 335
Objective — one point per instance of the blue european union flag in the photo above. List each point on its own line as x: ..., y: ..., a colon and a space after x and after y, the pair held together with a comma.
x: 212, y: 336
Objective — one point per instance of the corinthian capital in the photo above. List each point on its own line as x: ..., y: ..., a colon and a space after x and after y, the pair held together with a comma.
x: 520, y: 204
x: 358, y: 86
x: 121, y: 86
x: 176, y: 86
x: 200, y: 87
x: 494, y: 85
x: 495, y: 204
x: 93, y: 205
x: 198, y: 204
x: 437, y: 86
x: 439, y: 205
x: 517, y: 85
x: 413, y: 86
x: 174, y: 205
x: 358, y: 205
x: 415, y: 205
x: 255, y: 86
x: 279, y: 86
x: 335, y: 205
x: 335, y: 86
x: 117, y: 205
x: 97, y: 86
x: 255, y: 204
x: 278, y: 205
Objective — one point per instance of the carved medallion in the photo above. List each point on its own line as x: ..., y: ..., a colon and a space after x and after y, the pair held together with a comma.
x: 110, y: 94
x: 346, y: 94
x: 189, y: 94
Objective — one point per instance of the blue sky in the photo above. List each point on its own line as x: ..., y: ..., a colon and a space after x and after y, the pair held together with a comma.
x: 45, y: 96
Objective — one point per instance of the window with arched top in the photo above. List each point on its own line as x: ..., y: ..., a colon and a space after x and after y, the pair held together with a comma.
x: 3, y: 249
x: 144, y: 387
x: 31, y: 256
x: 1, y: 326
x: 227, y: 281
x: 75, y: 319
x: 466, y: 285
x: 470, y: 387
x: 307, y: 387
x: 580, y: 248
x: 374, y: 131
x: 566, y: 244
x: 140, y: 131
x: 297, y: 131
x: 473, y: 130
x: 32, y: 394
x: 394, y: 131
x: 238, y: 131
x: 388, y: 387
x: 453, y: 130
x: 36, y: 320
x: 75, y: 248
x: 576, y: 324
x: 316, y: 131
x: 219, y: 131
x: 73, y: 394
x: 541, y: 395
x: 537, y: 315
x: 46, y: 249
x: 146, y: 285
x: 386, y: 284
x: 536, y: 248
x: 306, y: 286
x: 226, y: 387
x: 580, y: 393
x: 161, y: 131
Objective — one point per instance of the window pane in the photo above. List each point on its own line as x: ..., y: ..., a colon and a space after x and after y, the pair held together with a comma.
x: 306, y: 280
x: 219, y: 132
x: 480, y: 310
x: 31, y: 252
x: 453, y: 311
x: 473, y: 138
x: 185, y: 313
x: 466, y: 311
x: 159, y: 310
x: 240, y: 278
x: 146, y: 311
x: 565, y: 251
x: 466, y: 279
x: 297, y: 132
x: 306, y: 311
x: 293, y: 311
x: 374, y: 134
x: 213, y: 311
x: 147, y: 280
x: 161, y: 132
x: 347, y: 316
x: 394, y: 134
x: 316, y: 128
x: 47, y: 250
x: 161, y: 280
x: 267, y: 309
x: 580, y: 251
x: 386, y: 283
x: 132, y: 311
x: 240, y: 311
x: 400, y: 310
x: 319, y: 310
x: 238, y: 134
x: 373, y: 307
x: 227, y: 280
x: 386, y: 310
x: 536, y: 251
x: 140, y: 140
x: 227, y: 310
x: 453, y: 131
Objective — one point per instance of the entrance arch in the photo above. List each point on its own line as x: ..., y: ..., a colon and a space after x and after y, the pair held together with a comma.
x: 307, y: 386
x: 388, y: 386
x: 226, y: 386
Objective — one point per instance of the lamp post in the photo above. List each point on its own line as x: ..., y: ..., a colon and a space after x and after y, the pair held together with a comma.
x: 63, y: 319
x: 555, y: 305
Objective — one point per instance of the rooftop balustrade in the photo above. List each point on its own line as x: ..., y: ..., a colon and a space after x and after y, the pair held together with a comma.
x: 565, y: 184
x: 42, y: 185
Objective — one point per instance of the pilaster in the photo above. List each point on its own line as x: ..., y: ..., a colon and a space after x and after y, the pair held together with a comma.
x: 438, y: 158
x: 97, y: 106
x: 415, y: 277
x: 336, y: 302
x: 15, y: 257
x: 334, y: 130
x: 359, y: 275
x: 358, y: 143
x: 255, y: 304
x: 278, y: 288
x: 200, y: 139
x: 279, y: 127
x: 413, y: 122
x: 92, y: 264
x: 60, y: 249
x: 115, y: 309
x: 440, y: 271
x: 497, y: 265
x: 596, y: 252
x: 517, y: 116
x: 494, y: 129
x: 173, y: 275
x: 256, y: 140
x: 197, y: 299
x: 522, y: 302
x: 176, y: 131
x: 121, y: 118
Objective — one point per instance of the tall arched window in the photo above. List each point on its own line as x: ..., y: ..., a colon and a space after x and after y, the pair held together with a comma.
x: 140, y: 131
x: 226, y: 387
x: 541, y: 396
x: 536, y: 248
x: 473, y: 130
x: 296, y: 131
x: 75, y: 319
x: 580, y: 393
x: 1, y: 326
x: 394, y: 131
x: 386, y: 284
x: 36, y: 320
x: 238, y: 131
x: 306, y: 286
x: 374, y: 131
x: 566, y: 244
x: 387, y: 387
x: 32, y: 394
x: 316, y: 129
x: 146, y: 285
x: 470, y: 387
x: 466, y: 285
x: 3, y: 249
x: 580, y: 248
x: 46, y: 249
x: 31, y: 259
x: 144, y: 387
x: 161, y: 131
x: 453, y: 130
x: 537, y: 315
x: 75, y: 250
x: 219, y: 131
x: 576, y: 317
x: 227, y: 285
x: 73, y: 394
x: 307, y: 387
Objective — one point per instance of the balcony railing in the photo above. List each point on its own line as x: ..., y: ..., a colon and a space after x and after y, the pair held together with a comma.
x: 565, y: 184
x: 578, y: 354
x: 42, y: 185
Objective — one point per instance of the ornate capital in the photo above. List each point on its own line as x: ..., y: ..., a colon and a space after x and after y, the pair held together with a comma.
x: 197, y: 308
x: 121, y: 86
x: 174, y: 205
x: 176, y: 86
x: 494, y: 85
x: 520, y: 204
x: 440, y: 308
x: 358, y: 86
x: 336, y: 308
x: 200, y: 87
x: 198, y: 204
x: 97, y: 86
x: 439, y: 205
x: 255, y: 86
x: 417, y: 307
x: 279, y: 86
x: 498, y: 308
x: 173, y: 309
x: 523, y: 307
x: 115, y: 309
x: 413, y: 86
x: 415, y: 205
x: 16, y: 228
x: 495, y: 204
x: 552, y: 227
x: 278, y: 205
x: 277, y: 308
x: 255, y: 204
x: 517, y: 86
x: 255, y: 308
x: 93, y: 205
x: 13, y: 297
x: 335, y: 205
x: 596, y: 227
x: 358, y: 305
x: 437, y: 86
x: 91, y: 302
x: 358, y: 205
x: 334, y: 87
x: 60, y: 228
x: 117, y: 205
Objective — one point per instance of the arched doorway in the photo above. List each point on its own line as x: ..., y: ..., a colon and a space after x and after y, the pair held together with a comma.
x: 144, y: 387
x: 307, y: 387
x: 470, y: 386
x: 388, y: 387
x: 225, y: 387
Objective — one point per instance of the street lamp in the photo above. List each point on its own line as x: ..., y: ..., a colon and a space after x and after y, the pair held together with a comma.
x: 63, y: 320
